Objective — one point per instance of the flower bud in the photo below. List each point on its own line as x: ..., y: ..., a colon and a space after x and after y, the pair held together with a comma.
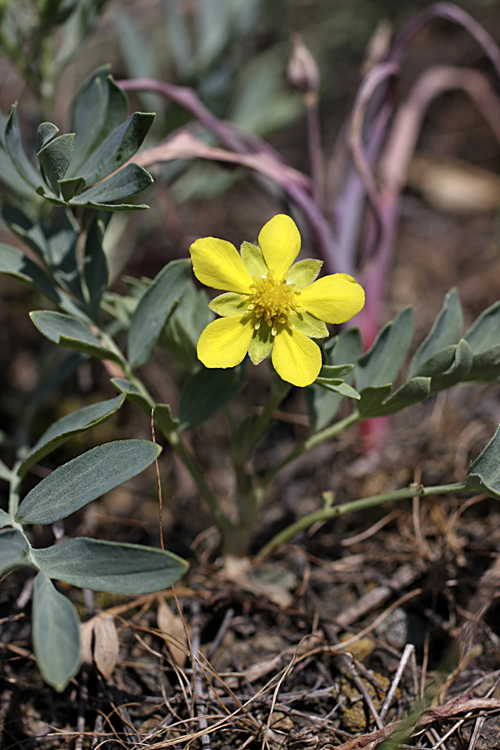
x: 302, y: 70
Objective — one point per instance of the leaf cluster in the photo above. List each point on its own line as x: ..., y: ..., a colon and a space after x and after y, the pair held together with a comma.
x: 444, y: 359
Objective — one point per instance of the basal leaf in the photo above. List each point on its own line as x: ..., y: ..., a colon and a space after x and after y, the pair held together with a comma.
x: 154, y: 308
x: 14, y: 550
x: 111, y: 566
x: 71, y: 332
x: 444, y: 332
x: 56, y: 634
x: 72, y: 424
x: 85, y: 478
x: 381, y: 364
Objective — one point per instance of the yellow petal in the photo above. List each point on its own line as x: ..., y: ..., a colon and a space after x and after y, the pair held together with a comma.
x: 279, y: 241
x: 296, y: 358
x: 218, y: 264
x: 334, y: 299
x: 225, y: 342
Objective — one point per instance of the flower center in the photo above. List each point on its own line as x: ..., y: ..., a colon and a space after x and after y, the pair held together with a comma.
x: 273, y: 300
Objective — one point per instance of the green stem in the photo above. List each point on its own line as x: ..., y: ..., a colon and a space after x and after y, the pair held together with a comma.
x: 174, y: 440
x: 181, y: 451
x: 15, y: 484
x: 325, y: 513
x: 279, y: 391
x: 311, y: 442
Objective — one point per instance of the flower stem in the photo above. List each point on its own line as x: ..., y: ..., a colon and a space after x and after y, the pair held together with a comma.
x: 327, y: 512
x: 311, y: 442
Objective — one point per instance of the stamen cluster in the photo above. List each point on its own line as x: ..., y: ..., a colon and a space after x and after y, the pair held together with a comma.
x: 273, y: 300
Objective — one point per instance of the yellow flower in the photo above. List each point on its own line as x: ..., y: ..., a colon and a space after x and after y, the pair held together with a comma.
x: 269, y: 303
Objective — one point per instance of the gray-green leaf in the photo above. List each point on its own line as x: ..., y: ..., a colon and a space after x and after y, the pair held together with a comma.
x: 128, y: 181
x: 381, y: 364
x: 72, y: 424
x: 154, y: 308
x: 119, y: 568
x: 206, y: 393
x: 56, y: 634
x: 120, y: 145
x: 484, y: 472
x: 444, y: 332
x: 14, y: 550
x: 68, y: 331
x: 85, y: 478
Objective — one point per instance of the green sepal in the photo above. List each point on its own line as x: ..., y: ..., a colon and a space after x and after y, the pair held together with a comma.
x: 206, y: 393
x: 261, y: 343
x: 54, y: 159
x: 253, y: 259
x: 304, y: 272
x: 14, y: 550
x: 66, y: 427
x: 444, y: 332
x: 134, y: 395
x: 154, y: 308
x: 68, y: 331
x: 119, y: 568
x: 309, y: 325
x: 88, y: 476
x: 56, y: 634
x: 381, y: 364
x: 484, y: 472
x: 229, y: 304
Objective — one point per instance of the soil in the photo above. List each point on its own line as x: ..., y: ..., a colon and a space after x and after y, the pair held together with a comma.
x: 377, y: 625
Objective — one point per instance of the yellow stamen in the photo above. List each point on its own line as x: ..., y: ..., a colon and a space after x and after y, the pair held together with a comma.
x: 272, y: 300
